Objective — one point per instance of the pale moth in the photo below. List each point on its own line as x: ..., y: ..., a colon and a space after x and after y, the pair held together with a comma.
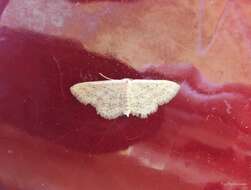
x: 114, y: 98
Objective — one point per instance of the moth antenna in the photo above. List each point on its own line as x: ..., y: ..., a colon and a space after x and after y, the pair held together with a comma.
x: 105, y: 77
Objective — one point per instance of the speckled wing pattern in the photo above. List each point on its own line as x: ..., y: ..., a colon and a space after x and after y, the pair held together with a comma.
x: 108, y: 97
x: 146, y: 95
x: 113, y: 98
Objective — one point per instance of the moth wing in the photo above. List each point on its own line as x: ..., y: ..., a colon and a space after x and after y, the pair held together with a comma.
x: 108, y: 97
x: 146, y: 95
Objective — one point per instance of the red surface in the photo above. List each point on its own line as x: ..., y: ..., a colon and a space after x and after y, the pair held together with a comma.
x: 41, y: 100
x: 201, y: 140
x: 35, y: 98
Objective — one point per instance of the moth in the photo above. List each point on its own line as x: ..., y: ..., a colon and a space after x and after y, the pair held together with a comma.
x: 114, y: 98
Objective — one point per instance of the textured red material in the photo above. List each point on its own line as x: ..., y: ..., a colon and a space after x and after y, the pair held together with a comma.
x: 209, y: 124
x: 41, y: 100
x: 199, y: 141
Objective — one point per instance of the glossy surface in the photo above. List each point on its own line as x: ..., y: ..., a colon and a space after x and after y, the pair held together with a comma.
x: 200, y: 140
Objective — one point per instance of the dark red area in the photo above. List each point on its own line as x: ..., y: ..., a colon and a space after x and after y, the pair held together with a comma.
x: 36, y: 73
x: 214, y: 186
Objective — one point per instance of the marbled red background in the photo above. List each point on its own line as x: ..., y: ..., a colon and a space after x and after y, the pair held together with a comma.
x: 201, y: 140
